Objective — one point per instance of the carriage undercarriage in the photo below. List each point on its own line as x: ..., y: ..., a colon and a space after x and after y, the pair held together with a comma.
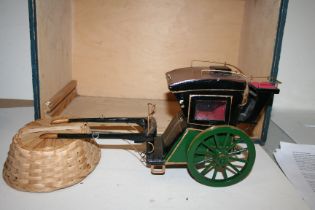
x: 217, y: 156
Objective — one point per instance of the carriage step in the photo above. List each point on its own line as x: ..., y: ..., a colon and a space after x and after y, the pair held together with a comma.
x: 158, y: 169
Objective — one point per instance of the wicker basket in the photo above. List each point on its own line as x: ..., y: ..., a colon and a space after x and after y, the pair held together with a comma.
x: 37, y: 164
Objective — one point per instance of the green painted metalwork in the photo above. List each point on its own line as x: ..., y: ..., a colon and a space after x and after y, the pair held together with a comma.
x: 221, y: 156
x: 178, y: 153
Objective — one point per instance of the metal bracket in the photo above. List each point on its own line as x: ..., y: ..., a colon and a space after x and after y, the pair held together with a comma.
x: 158, y: 169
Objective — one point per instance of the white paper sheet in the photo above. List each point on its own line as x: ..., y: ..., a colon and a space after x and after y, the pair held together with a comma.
x: 297, y: 161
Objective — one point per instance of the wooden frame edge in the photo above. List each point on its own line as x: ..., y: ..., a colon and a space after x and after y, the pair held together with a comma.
x: 55, y: 105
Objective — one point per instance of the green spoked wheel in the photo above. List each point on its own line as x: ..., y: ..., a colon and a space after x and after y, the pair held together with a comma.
x: 221, y: 156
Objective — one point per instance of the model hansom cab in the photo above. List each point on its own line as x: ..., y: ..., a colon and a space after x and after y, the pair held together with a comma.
x: 203, y: 136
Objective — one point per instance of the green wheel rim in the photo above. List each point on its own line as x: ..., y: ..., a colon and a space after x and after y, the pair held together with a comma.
x: 221, y: 156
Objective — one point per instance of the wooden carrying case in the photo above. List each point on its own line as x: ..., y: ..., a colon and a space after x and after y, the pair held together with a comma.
x: 109, y: 57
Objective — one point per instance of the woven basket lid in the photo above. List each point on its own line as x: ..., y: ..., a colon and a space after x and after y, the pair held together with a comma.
x: 37, y: 164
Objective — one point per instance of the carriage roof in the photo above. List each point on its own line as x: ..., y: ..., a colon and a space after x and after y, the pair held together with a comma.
x: 196, y: 78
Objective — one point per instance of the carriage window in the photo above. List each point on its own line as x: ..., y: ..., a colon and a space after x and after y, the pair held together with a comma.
x: 210, y: 110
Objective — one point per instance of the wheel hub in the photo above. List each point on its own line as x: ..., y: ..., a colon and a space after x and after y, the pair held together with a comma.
x: 221, y: 159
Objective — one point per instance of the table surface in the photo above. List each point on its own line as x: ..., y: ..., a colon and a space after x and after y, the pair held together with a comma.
x: 120, y: 181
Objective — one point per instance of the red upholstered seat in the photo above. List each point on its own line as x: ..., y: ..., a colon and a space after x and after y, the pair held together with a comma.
x: 263, y: 85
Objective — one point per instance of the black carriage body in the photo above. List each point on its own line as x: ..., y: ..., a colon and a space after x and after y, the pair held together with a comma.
x: 260, y: 96
x: 207, y: 97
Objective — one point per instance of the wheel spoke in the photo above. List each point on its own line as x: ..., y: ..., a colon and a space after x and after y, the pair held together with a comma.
x: 203, y: 153
x: 204, y: 161
x: 226, y: 139
x: 234, y: 143
x: 234, y: 168
x: 199, y: 162
x: 224, y: 174
x: 232, y: 146
x: 211, y: 150
x: 214, y: 174
x: 230, y: 170
x: 200, y: 153
x: 207, y: 169
x: 209, y: 159
x: 216, y: 140
x: 238, y: 159
x: 237, y: 152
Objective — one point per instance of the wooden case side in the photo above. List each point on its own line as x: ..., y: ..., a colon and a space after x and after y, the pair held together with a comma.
x: 54, y: 40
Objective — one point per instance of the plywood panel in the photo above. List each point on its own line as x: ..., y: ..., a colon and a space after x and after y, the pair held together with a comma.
x: 122, y: 48
x: 54, y: 46
x: 258, y: 36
